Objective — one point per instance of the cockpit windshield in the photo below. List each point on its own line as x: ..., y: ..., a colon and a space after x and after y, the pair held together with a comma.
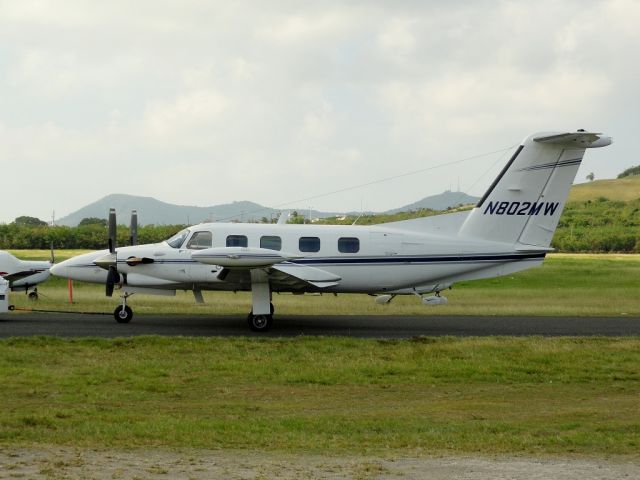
x: 178, y: 239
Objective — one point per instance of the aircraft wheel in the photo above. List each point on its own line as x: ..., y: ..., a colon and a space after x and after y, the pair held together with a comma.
x: 260, y: 323
x: 123, y: 314
x: 33, y: 296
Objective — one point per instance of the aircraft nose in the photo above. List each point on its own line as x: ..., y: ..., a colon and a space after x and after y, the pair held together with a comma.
x: 59, y: 270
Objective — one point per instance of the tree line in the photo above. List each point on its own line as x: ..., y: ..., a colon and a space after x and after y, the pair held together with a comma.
x: 92, y: 236
x: 599, y: 225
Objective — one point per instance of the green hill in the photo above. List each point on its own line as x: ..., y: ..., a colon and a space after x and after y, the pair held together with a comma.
x: 621, y: 189
x: 601, y: 216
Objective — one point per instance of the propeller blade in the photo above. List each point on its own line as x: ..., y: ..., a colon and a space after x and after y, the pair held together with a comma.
x: 112, y: 230
x: 133, y: 232
x: 112, y: 278
x: 53, y: 256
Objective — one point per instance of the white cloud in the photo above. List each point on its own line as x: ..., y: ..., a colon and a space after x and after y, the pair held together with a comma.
x: 203, y: 102
x: 189, y: 121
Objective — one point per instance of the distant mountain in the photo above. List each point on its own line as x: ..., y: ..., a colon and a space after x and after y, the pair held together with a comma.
x: 438, y: 202
x: 152, y: 211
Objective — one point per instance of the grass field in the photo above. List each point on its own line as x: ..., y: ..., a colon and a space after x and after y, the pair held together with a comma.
x: 325, y: 395
x: 426, y: 396
x: 623, y: 189
x: 588, y: 285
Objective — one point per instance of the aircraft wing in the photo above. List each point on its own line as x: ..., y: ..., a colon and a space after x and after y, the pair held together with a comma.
x: 14, y: 277
x: 239, y: 261
x: 296, y: 273
x: 284, y: 276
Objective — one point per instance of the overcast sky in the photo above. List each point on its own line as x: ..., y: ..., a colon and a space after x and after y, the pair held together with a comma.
x: 201, y: 102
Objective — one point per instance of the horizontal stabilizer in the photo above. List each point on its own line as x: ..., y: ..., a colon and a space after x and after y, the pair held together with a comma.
x: 576, y: 139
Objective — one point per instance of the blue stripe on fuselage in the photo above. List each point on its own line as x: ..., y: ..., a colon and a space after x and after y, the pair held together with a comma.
x: 396, y: 259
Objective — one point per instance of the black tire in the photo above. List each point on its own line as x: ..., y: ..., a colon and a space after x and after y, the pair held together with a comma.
x: 12, y: 308
x: 123, y: 314
x: 33, y: 296
x: 260, y: 323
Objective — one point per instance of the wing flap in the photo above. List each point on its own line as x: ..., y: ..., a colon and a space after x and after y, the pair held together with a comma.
x: 310, y: 275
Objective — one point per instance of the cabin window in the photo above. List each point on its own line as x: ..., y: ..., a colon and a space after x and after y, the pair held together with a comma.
x: 309, y: 244
x: 177, y: 240
x: 270, y: 242
x: 348, y: 245
x: 237, y: 241
x: 200, y: 241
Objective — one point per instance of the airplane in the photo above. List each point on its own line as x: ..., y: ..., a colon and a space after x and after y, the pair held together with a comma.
x: 508, y: 230
x: 23, y: 275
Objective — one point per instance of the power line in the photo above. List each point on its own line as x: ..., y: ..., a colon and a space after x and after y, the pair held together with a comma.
x: 375, y: 182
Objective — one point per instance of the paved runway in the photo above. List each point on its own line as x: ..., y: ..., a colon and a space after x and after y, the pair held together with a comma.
x: 82, y: 325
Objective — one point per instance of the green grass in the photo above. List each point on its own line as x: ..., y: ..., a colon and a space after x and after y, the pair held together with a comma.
x: 325, y: 395
x: 331, y: 396
x: 588, y: 285
x: 623, y: 189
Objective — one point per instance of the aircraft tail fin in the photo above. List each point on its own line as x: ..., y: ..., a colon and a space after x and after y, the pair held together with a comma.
x: 524, y: 203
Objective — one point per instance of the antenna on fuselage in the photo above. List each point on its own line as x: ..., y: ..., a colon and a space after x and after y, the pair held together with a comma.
x: 361, y: 213
x: 284, y: 216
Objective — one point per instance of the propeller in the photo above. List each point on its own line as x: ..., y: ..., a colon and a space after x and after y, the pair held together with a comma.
x: 112, y: 230
x: 133, y: 231
x: 110, y: 261
x: 113, y: 277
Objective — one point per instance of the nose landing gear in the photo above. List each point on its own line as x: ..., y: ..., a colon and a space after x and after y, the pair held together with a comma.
x: 123, y: 313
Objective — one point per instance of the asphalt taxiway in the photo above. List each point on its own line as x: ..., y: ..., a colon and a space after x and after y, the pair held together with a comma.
x: 17, y: 324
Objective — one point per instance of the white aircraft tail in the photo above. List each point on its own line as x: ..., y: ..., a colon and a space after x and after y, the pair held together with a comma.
x: 524, y: 203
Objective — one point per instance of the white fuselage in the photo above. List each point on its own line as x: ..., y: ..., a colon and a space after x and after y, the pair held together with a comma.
x: 508, y: 230
x: 363, y: 259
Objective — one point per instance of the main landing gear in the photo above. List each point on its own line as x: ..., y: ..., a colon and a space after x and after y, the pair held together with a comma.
x: 260, y: 323
x: 123, y: 313
x: 261, y: 316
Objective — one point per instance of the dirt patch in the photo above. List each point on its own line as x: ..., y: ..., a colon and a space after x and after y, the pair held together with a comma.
x: 77, y: 463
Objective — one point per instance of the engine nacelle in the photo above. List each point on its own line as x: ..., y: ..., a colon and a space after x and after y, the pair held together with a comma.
x: 244, y: 257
